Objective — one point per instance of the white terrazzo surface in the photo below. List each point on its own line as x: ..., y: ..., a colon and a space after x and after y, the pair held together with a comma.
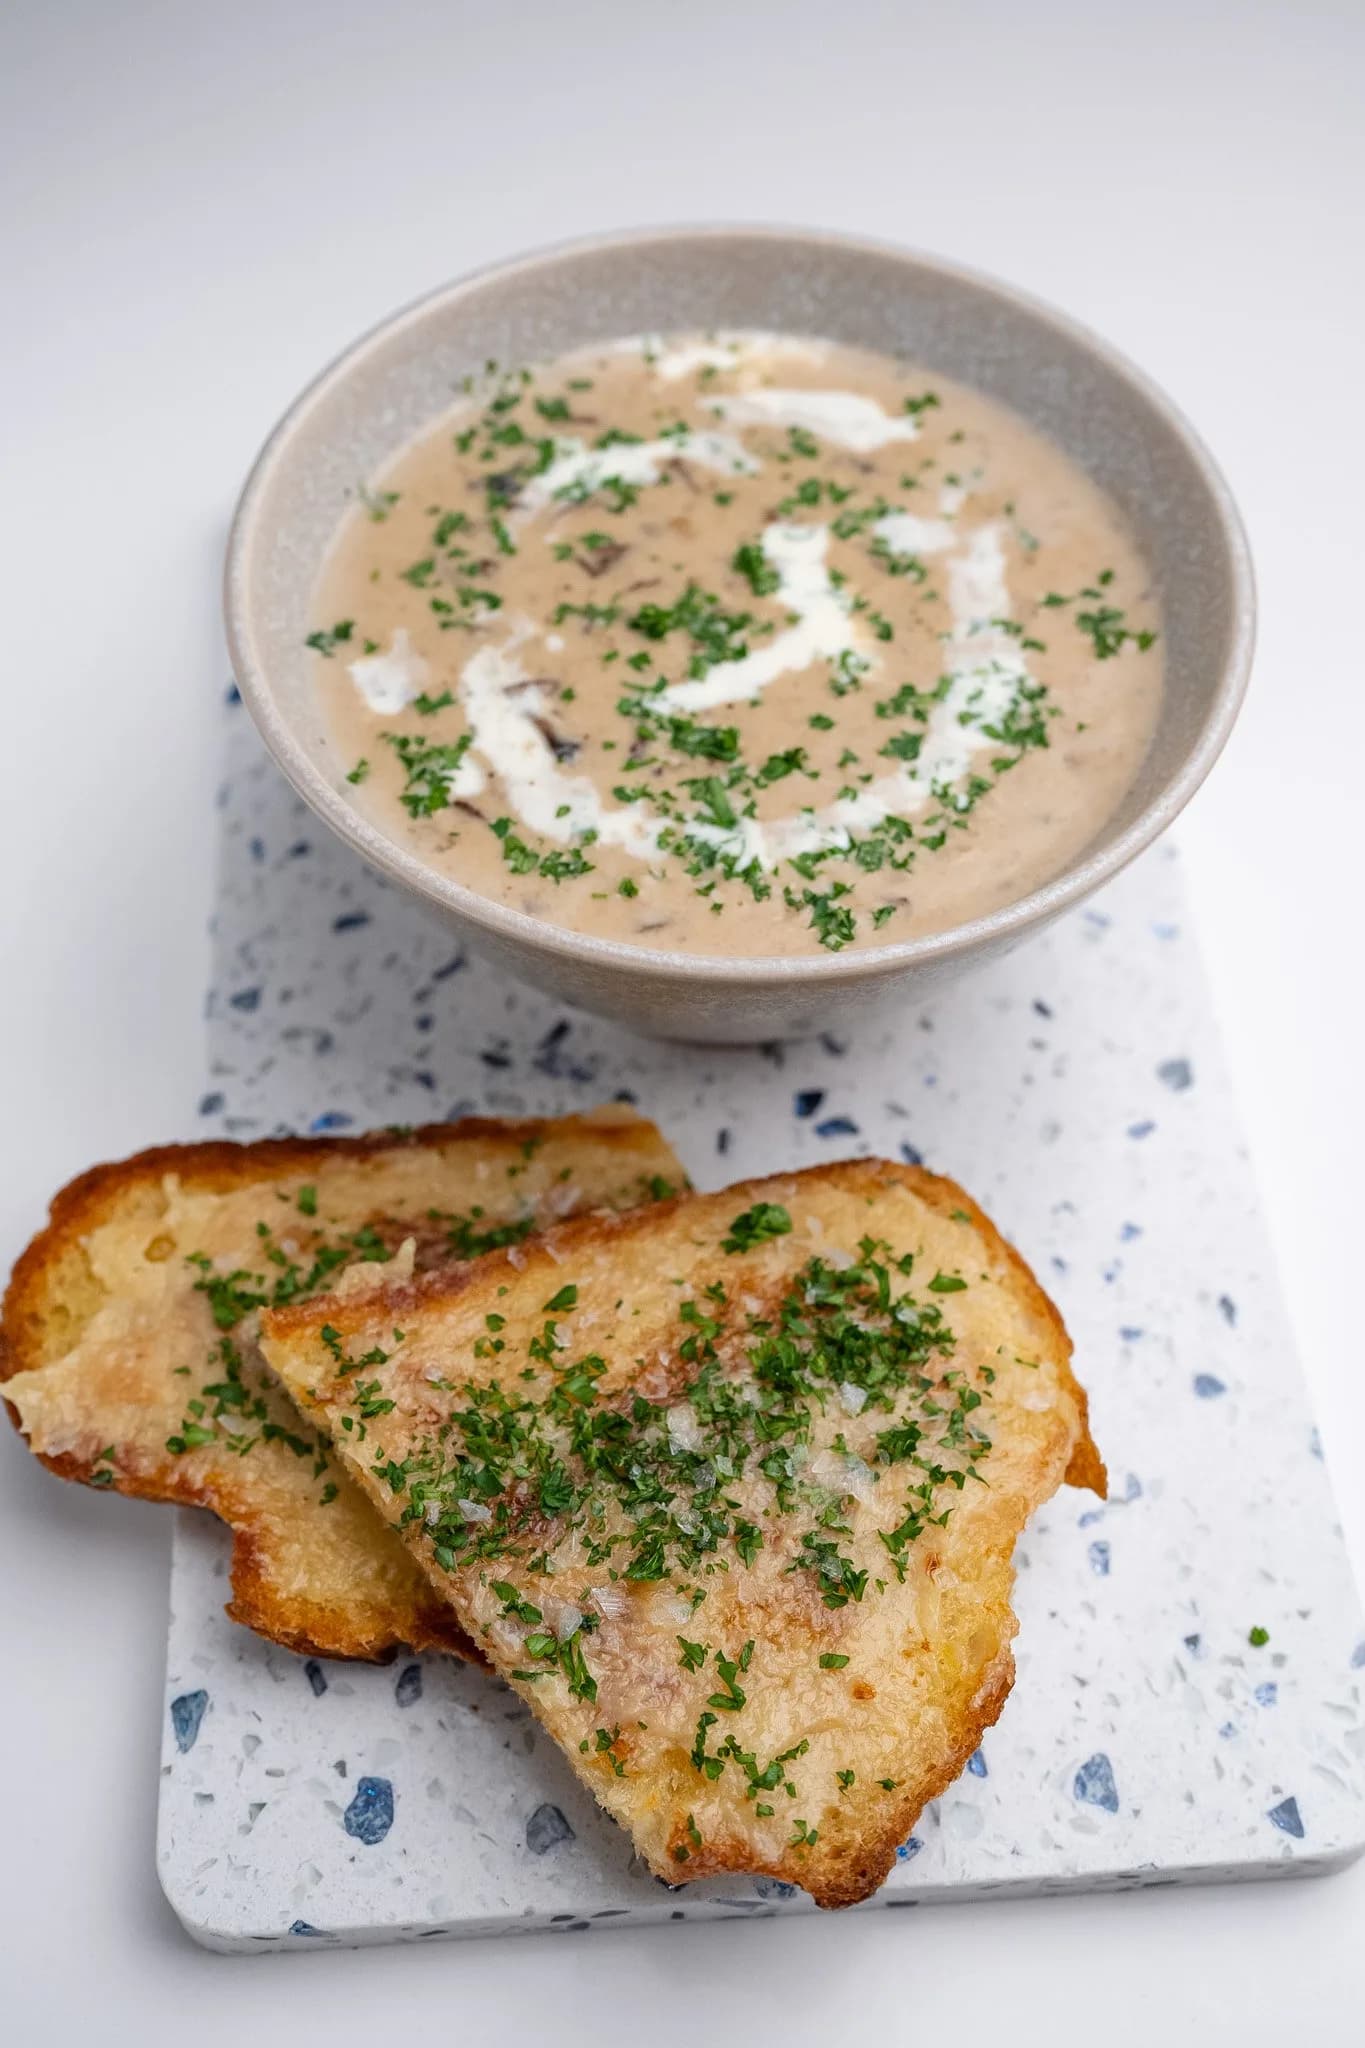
x: 1077, y: 1089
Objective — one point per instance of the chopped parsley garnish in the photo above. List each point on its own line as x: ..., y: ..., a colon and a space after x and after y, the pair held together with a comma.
x: 430, y: 767
x: 1109, y: 631
x: 758, y: 572
x: 755, y: 1226
x: 327, y: 642
x: 653, y: 1510
x: 524, y: 860
x: 716, y: 635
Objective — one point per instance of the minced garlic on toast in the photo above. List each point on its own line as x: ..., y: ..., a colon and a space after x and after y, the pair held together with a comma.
x: 728, y: 1489
x: 127, y: 1344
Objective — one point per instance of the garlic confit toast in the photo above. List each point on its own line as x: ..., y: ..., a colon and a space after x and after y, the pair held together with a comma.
x: 128, y: 1353
x: 728, y: 1489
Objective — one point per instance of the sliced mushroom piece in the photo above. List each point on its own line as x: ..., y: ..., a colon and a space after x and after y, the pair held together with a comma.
x: 598, y: 560
x: 560, y: 745
x: 519, y: 688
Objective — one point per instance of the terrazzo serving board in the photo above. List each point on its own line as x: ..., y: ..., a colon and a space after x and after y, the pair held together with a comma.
x: 1077, y: 1089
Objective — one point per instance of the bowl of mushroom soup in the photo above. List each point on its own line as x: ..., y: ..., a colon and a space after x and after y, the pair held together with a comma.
x: 727, y: 629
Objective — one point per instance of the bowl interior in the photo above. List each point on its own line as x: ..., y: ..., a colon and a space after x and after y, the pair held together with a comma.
x: 392, y: 383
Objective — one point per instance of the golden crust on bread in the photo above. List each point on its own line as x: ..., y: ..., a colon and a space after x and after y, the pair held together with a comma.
x: 127, y: 1341
x: 728, y: 1489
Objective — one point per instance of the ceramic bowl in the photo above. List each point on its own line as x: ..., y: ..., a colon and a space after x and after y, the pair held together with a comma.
x: 1106, y: 416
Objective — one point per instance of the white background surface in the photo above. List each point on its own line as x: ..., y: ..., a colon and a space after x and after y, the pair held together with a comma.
x: 201, y: 205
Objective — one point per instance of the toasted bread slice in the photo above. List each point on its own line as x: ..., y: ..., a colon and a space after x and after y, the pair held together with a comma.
x: 127, y: 1344
x: 728, y: 1489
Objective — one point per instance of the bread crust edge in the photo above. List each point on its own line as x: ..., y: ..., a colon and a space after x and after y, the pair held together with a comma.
x: 218, y: 1165
x: 849, y: 1881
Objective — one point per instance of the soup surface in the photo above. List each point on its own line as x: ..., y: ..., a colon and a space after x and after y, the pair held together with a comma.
x: 742, y: 644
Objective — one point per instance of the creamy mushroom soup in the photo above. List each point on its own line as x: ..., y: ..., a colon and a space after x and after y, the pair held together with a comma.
x: 740, y: 644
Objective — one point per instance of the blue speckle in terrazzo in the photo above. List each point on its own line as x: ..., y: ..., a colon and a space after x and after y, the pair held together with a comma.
x: 187, y: 1711
x: 1286, y: 1818
x: 316, y: 1677
x: 545, y: 1828
x: 1098, y: 1554
x: 909, y: 1849
x: 555, y: 1056
x: 1176, y: 1074
x: 370, y: 1814
x: 331, y: 1120
x: 837, y: 1127
x: 1094, y: 1784
x: 807, y: 1100
x: 322, y: 1042
x: 212, y: 1104
x: 408, y: 1689
x: 1143, y: 1129
x: 1227, y: 1309
x: 1208, y: 1386
x: 1358, y: 1657
x: 1195, y: 1645
x: 976, y: 1764
x: 774, y: 1888
x: 1267, y: 1693
x: 1128, y: 1231
x: 911, y: 1154
x: 1129, y: 1333
x: 302, y: 1927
